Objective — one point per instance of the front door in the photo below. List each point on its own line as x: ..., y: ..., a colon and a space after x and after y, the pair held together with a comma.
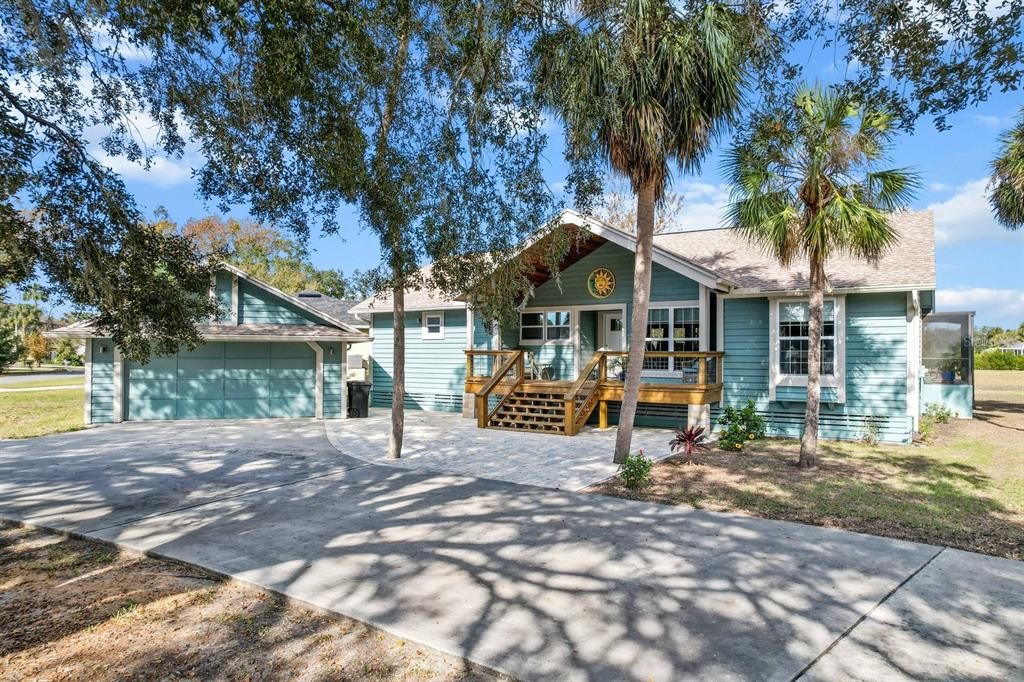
x: 612, y: 330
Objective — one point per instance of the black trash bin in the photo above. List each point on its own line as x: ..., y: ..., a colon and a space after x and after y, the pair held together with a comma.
x: 359, y: 398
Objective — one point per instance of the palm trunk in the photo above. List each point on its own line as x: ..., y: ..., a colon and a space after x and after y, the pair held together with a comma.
x: 641, y: 297
x: 398, y: 373
x: 809, y: 442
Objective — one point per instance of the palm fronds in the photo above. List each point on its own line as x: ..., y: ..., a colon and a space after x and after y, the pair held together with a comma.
x: 1006, y: 188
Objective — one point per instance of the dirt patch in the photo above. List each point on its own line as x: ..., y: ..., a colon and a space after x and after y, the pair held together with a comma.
x: 964, y: 488
x: 78, y: 610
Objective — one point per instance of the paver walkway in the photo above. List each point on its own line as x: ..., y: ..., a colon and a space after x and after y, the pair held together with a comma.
x: 450, y: 443
x: 540, y: 583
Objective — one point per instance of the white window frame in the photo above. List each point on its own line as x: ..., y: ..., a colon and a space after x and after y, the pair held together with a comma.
x: 427, y: 335
x: 543, y: 312
x: 671, y: 307
x: 776, y: 378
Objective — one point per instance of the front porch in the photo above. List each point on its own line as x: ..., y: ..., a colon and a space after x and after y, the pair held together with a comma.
x: 505, y: 391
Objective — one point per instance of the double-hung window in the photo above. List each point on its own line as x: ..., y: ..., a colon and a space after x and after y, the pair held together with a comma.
x: 794, y: 329
x: 433, y: 326
x: 550, y: 325
x: 672, y: 329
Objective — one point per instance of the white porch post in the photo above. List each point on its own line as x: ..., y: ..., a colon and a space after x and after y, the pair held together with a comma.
x: 319, y: 351
x: 118, y: 385
x: 344, y: 379
x: 913, y: 357
x: 88, y: 381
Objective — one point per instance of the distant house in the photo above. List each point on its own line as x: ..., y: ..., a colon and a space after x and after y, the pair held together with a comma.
x: 726, y: 324
x: 1014, y: 348
x: 271, y: 355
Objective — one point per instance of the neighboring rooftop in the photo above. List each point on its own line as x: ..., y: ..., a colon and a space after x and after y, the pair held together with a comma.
x: 909, y: 264
x: 338, y: 308
x: 421, y: 298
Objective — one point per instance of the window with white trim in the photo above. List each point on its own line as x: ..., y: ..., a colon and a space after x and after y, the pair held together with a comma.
x: 794, y: 328
x: 672, y: 329
x: 548, y: 325
x: 433, y: 325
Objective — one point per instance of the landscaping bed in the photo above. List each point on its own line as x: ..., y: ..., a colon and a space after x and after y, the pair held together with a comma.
x: 963, y: 488
x: 75, y: 609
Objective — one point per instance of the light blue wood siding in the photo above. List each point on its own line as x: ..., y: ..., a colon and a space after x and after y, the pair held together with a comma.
x: 222, y: 292
x: 257, y: 306
x: 876, y: 357
x: 666, y: 285
x: 224, y: 381
x: 102, y: 381
x: 333, y: 381
x: 434, y: 368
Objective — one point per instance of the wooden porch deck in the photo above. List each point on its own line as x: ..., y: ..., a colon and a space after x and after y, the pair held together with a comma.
x: 563, y: 407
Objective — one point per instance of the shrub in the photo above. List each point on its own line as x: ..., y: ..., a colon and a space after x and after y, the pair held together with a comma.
x: 67, y: 353
x: 37, y: 348
x: 938, y: 413
x: 872, y: 429
x: 635, y: 471
x: 925, y: 427
x: 689, y: 440
x: 739, y: 426
x: 998, y: 359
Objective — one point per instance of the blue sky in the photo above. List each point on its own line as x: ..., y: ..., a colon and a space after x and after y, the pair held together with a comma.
x: 980, y: 266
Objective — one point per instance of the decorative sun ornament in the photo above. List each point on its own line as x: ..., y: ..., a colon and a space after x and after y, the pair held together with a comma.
x: 601, y: 283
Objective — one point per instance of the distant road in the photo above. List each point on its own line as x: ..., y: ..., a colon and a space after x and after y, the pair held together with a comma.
x: 16, y: 377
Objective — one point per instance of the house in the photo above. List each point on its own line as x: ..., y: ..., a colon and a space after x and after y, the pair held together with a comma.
x: 726, y: 324
x: 270, y: 355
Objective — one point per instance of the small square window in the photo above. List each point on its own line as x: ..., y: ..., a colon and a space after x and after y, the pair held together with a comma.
x: 433, y: 326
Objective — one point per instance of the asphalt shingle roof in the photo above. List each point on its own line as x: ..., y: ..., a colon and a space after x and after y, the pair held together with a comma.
x: 338, y: 308
x: 910, y: 263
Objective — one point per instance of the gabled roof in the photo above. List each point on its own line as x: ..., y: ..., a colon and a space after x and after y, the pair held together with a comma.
x: 329, y: 326
x: 910, y: 264
x: 421, y: 298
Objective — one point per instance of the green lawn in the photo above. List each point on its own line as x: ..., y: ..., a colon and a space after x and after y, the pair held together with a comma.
x: 71, y: 380
x: 25, y: 414
x: 964, y: 488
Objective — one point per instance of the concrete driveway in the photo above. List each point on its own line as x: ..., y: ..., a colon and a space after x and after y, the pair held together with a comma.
x: 539, y: 583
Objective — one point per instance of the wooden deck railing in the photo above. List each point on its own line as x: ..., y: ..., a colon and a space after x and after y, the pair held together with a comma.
x: 582, y: 396
x: 508, y: 377
x: 707, y: 372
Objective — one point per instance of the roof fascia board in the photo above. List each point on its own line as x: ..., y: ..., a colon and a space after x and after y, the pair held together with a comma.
x: 776, y: 293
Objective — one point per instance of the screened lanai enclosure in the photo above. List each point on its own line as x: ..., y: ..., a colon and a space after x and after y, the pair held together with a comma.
x: 947, y: 346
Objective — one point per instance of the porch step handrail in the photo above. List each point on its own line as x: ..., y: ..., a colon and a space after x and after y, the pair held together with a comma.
x: 515, y: 361
x: 579, y: 403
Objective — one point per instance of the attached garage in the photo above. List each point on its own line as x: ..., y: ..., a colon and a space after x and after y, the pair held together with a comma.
x: 269, y: 355
x: 231, y: 380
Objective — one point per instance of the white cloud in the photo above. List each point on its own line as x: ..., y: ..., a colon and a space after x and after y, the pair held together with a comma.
x: 967, y: 215
x: 990, y: 121
x: 939, y: 187
x: 703, y: 205
x: 1003, y: 307
x: 162, y: 171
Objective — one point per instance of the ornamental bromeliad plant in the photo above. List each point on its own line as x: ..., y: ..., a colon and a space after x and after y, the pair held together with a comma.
x: 688, y: 441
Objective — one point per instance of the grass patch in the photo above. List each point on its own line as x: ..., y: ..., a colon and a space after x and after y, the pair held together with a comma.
x: 964, y: 488
x: 38, y: 413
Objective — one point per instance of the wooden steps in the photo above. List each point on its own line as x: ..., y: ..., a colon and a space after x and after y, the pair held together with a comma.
x: 536, y: 408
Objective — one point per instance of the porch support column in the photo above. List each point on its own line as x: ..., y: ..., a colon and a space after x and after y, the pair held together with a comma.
x: 319, y: 351
x: 699, y: 415
x: 469, y: 399
x: 602, y: 414
x: 118, y: 385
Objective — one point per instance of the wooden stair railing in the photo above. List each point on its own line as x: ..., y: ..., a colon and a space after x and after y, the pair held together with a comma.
x: 581, y: 398
x: 515, y: 363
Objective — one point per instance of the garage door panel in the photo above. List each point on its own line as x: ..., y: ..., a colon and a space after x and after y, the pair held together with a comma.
x: 244, y: 408
x: 246, y: 350
x: 235, y: 389
x: 142, y: 408
x: 303, y: 406
x: 152, y: 389
x: 226, y: 380
x: 192, y: 408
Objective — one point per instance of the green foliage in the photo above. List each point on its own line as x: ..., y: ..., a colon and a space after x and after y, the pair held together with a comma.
x: 873, y: 429
x: 993, y: 337
x: 739, y: 425
x: 69, y: 98
x: 938, y: 413
x: 66, y: 353
x: 998, y: 359
x: 9, y: 350
x: 635, y: 471
x: 1006, y: 188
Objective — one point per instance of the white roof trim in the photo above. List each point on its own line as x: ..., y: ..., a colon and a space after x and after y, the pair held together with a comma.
x: 288, y: 297
x: 782, y: 293
x: 660, y: 256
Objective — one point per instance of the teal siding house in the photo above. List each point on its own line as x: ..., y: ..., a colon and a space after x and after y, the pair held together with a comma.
x: 726, y: 325
x: 269, y: 355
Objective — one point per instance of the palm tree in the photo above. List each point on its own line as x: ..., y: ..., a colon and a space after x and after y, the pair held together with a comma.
x: 806, y: 187
x: 1006, y: 190
x: 643, y: 86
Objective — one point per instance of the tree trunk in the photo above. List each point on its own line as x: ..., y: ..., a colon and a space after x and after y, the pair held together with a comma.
x: 398, y: 373
x: 809, y: 442
x: 641, y: 297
